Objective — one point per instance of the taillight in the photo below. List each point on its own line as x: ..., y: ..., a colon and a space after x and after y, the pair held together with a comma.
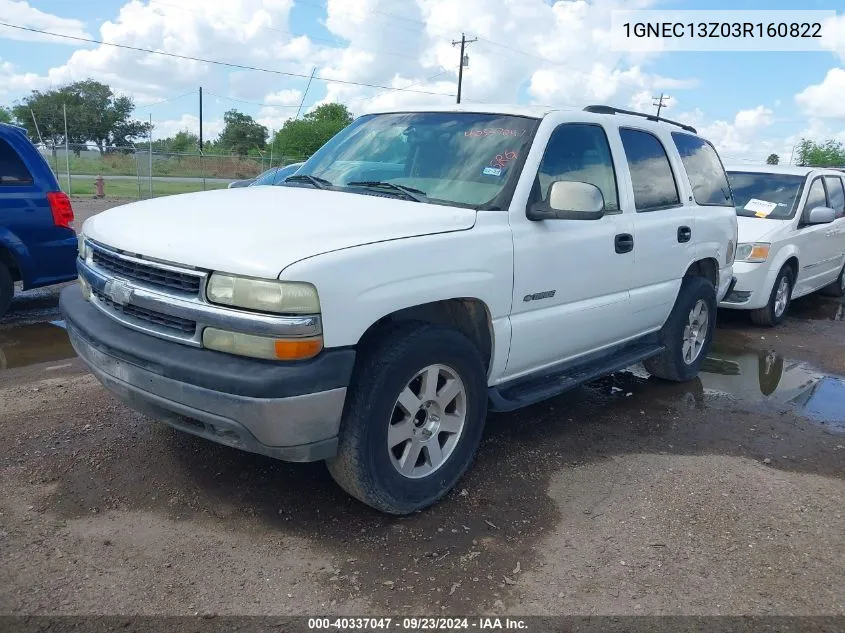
x: 61, y: 208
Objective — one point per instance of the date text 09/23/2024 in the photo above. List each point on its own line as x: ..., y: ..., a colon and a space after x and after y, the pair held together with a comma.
x: 418, y: 624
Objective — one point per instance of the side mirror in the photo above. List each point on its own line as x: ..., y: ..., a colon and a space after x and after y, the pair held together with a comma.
x: 821, y: 215
x: 568, y: 200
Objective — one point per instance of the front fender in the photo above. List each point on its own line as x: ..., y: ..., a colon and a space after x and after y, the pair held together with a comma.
x: 360, y: 285
x: 19, y: 252
x: 777, y: 262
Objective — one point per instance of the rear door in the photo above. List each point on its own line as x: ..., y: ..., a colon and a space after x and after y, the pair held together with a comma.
x: 664, y: 226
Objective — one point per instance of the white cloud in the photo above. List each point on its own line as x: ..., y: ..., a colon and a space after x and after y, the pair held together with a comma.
x: 826, y: 99
x: 739, y: 138
x: 20, y: 12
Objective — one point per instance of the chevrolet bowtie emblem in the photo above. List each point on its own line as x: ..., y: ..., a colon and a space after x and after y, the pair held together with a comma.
x: 118, y: 291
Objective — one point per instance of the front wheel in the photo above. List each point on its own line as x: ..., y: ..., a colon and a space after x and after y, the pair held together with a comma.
x: 774, y: 312
x: 413, y: 420
x: 688, y: 333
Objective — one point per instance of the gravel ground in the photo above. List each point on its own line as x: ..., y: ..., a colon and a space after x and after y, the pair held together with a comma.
x: 625, y: 496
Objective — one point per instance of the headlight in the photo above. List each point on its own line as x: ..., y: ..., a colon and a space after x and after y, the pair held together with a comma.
x: 86, y: 289
x: 281, y: 297
x: 82, y: 247
x: 261, y: 346
x: 754, y: 252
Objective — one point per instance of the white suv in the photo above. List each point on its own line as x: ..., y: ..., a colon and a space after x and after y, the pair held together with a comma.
x: 791, y: 237
x: 423, y: 267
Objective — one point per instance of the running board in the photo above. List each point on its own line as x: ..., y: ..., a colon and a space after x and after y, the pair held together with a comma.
x: 532, y: 389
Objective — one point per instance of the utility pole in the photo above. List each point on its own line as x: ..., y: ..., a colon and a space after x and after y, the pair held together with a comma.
x: 464, y: 61
x: 67, y: 150
x: 202, y: 162
x: 201, y: 119
x: 307, y: 86
x: 659, y: 103
x: 151, y: 155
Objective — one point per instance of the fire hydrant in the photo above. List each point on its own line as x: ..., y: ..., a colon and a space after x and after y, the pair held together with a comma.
x: 100, y: 186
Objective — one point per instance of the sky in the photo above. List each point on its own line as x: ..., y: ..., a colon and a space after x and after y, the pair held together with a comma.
x: 749, y: 104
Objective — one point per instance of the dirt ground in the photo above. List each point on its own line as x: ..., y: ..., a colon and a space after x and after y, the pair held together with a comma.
x: 626, y: 496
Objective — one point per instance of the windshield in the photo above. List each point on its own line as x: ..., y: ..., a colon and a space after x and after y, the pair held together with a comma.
x: 762, y: 195
x: 461, y: 159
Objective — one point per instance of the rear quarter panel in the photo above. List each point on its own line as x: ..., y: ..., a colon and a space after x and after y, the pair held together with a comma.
x: 43, y: 252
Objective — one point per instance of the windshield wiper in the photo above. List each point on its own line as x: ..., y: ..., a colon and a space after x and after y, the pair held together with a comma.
x: 412, y: 194
x: 319, y: 183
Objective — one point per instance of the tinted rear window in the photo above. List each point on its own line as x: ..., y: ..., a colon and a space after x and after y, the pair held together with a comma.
x: 651, y: 174
x: 706, y: 174
x: 12, y: 169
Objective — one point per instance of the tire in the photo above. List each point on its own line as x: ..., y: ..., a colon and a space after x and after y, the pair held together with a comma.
x: 775, y: 312
x: 7, y: 289
x: 679, y: 362
x: 837, y: 288
x: 365, y: 466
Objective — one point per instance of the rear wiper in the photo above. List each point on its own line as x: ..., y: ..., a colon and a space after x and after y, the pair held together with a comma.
x: 319, y: 183
x: 412, y: 194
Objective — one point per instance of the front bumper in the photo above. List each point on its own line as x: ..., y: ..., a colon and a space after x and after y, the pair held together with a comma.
x: 290, y: 411
x: 751, y: 290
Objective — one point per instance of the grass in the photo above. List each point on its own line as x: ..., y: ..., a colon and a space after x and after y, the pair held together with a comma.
x: 116, y: 164
x: 129, y: 188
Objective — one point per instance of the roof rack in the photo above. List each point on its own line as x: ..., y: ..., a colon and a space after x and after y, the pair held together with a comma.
x: 603, y: 109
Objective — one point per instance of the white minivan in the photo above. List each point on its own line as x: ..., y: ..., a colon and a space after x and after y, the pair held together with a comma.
x: 791, y: 237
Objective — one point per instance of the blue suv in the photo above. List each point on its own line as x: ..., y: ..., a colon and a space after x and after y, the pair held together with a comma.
x: 37, y: 244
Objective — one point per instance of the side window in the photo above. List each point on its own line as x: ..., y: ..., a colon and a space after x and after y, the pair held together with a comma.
x: 835, y: 194
x: 651, y: 174
x: 816, y: 196
x: 12, y: 169
x: 706, y: 175
x: 580, y: 152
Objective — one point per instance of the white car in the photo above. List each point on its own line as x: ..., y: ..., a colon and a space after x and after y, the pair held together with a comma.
x: 791, y: 237
x: 422, y: 268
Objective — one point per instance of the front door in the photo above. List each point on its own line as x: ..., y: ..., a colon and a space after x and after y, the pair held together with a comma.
x: 571, y: 277
x: 816, y: 243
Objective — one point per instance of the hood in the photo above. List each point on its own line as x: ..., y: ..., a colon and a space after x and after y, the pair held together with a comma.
x: 759, y: 229
x: 258, y: 231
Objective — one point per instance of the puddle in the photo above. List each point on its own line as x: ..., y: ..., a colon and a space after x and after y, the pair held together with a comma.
x: 817, y: 308
x: 752, y: 376
x: 30, y: 344
x: 766, y: 376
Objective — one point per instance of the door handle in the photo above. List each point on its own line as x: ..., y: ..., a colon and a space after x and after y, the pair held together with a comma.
x: 624, y: 243
x: 684, y: 234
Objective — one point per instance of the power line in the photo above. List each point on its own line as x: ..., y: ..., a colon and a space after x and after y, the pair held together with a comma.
x: 218, y: 62
x: 658, y: 103
x: 150, y: 105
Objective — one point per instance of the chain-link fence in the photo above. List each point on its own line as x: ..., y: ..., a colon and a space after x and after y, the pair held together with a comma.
x: 139, y: 172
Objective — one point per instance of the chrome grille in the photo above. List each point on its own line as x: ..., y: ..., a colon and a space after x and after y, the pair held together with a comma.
x: 182, y: 326
x: 145, y: 273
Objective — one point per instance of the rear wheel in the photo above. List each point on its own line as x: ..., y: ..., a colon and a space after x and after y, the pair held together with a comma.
x: 7, y: 289
x: 837, y: 288
x: 414, y: 418
x: 688, y: 333
x: 775, y: 310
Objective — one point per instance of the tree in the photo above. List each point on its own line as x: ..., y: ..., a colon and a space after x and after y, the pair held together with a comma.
x: 773, y: 159
x: 831, y: 153
x: 94, y: 114
x: 303, y: 137
x: 46, y: 109
x: 241, y: 133
x: 6, y: 115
